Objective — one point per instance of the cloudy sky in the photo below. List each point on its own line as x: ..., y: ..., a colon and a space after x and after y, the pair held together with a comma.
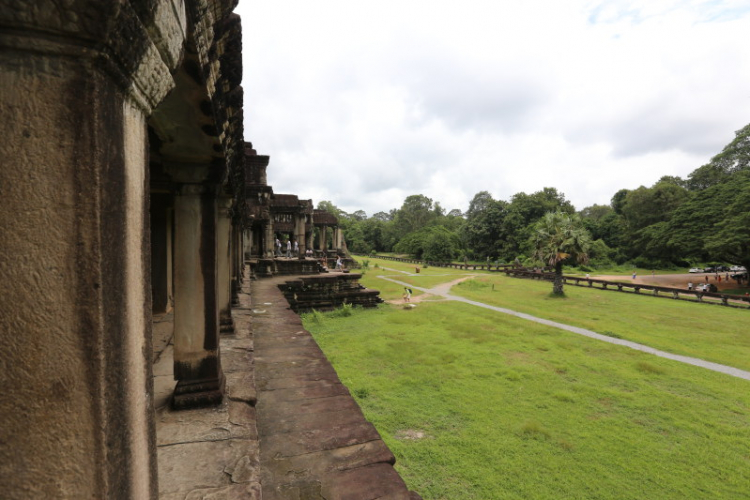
x: 364, y: 103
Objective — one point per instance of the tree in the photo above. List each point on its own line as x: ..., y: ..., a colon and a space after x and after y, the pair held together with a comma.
x: 559, y: 237
x: 415, y: 213
x: 482, y: 230
x: 330, y: 208
x: 522, y: 212
x: 440, y: 246
x: 359, y: 215
x: 595, y: 212
x: 383, y: 216
x: 735, y: 157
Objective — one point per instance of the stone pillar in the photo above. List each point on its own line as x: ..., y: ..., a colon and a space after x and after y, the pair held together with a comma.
x: 224, y: 263
x: 301, y: 236
x: 161, y: 252
x: 238, y: 260
x: 197, y: 363
x: 270, y: 241
x: 322, y: 239
x: 76, y: 409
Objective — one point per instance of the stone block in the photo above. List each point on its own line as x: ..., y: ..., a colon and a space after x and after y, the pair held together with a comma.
x: 190, y: 467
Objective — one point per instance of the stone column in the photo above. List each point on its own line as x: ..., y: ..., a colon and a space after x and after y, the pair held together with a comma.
x: 161, y: 252
x: 301, y: 236
x: 76, y: 409
x: 322, y: 239
x: 238, y: 260
x: 336, y: 238
x: 269, y: 242
x: 224, y: 263
x: 197, y: 363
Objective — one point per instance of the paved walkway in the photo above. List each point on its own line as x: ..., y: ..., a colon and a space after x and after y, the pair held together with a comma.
x: 209, y: 452
x: 314, y: 440
x: 443, y: 291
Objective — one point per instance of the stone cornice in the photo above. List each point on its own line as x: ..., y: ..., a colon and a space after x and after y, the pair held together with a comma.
x: 138, y: 42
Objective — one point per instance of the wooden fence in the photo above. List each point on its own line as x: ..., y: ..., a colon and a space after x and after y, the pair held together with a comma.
x: 451, y: 265
x: 649, y: 290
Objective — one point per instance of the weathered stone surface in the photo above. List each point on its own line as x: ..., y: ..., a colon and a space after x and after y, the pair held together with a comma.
x: 283, y: 477
x: 301, y: 379
x: 315, y: 442
x: 241, y: 387
x: 319, y: 439
x: 288, y: 341
x: 187, y: 467
x: 266, y: 370
x: 365, y: 483
x: 283, y: 355
x: 311, y: 390
x: 248, y: 491
x: 230, y: 420
x: 309, y: 421
x: 235, y: 360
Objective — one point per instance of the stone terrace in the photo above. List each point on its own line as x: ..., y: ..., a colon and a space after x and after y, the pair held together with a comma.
x: 302, y: 437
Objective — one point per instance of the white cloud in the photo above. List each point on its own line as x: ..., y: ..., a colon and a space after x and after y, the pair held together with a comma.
x: 364, y: 104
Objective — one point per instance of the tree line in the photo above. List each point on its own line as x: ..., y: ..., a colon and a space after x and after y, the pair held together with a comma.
x: 675, y: 222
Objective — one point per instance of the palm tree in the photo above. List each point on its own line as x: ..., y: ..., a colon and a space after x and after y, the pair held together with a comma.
x: 560, y: 237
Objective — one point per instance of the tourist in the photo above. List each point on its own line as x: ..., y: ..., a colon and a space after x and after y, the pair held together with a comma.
x: 289, y: 249
x: 690, y: 285
x: 278, y: 247
x: 296, y: 248
x: 339, y: 264
x: 634, y: 274
x: 407, y: 291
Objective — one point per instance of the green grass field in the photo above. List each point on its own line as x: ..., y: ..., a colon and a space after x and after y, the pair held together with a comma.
x: 709, y: 332
x: 481, y: 405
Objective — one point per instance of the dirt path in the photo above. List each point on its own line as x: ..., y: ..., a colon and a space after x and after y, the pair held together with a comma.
x: 429, y: 293
x: 438, y: 291
x: 443, y: 291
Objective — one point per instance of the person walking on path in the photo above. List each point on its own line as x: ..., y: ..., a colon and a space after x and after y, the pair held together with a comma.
x: 288, y: 249
x: 278, y: 247
x: 296, y: 248
x: 339, y: 264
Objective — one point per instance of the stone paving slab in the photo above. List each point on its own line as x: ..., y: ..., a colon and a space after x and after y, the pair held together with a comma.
x: 184, y: 469
x: 230, y: 420
x: 211, y: 453
x: 310, y: 390
x: 299, y: 380
x: 308, y: 421
x: 268, y: 371
x: 319, y: 439
x: 314, y: 440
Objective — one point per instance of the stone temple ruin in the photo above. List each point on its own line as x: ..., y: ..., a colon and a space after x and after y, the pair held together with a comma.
x: 136, y: 342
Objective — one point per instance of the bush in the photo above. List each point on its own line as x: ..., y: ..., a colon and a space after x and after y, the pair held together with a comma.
x: 342, y: 312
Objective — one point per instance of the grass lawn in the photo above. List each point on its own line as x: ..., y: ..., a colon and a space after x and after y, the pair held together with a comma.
x: 481, y: 405
x: 710, y: 332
